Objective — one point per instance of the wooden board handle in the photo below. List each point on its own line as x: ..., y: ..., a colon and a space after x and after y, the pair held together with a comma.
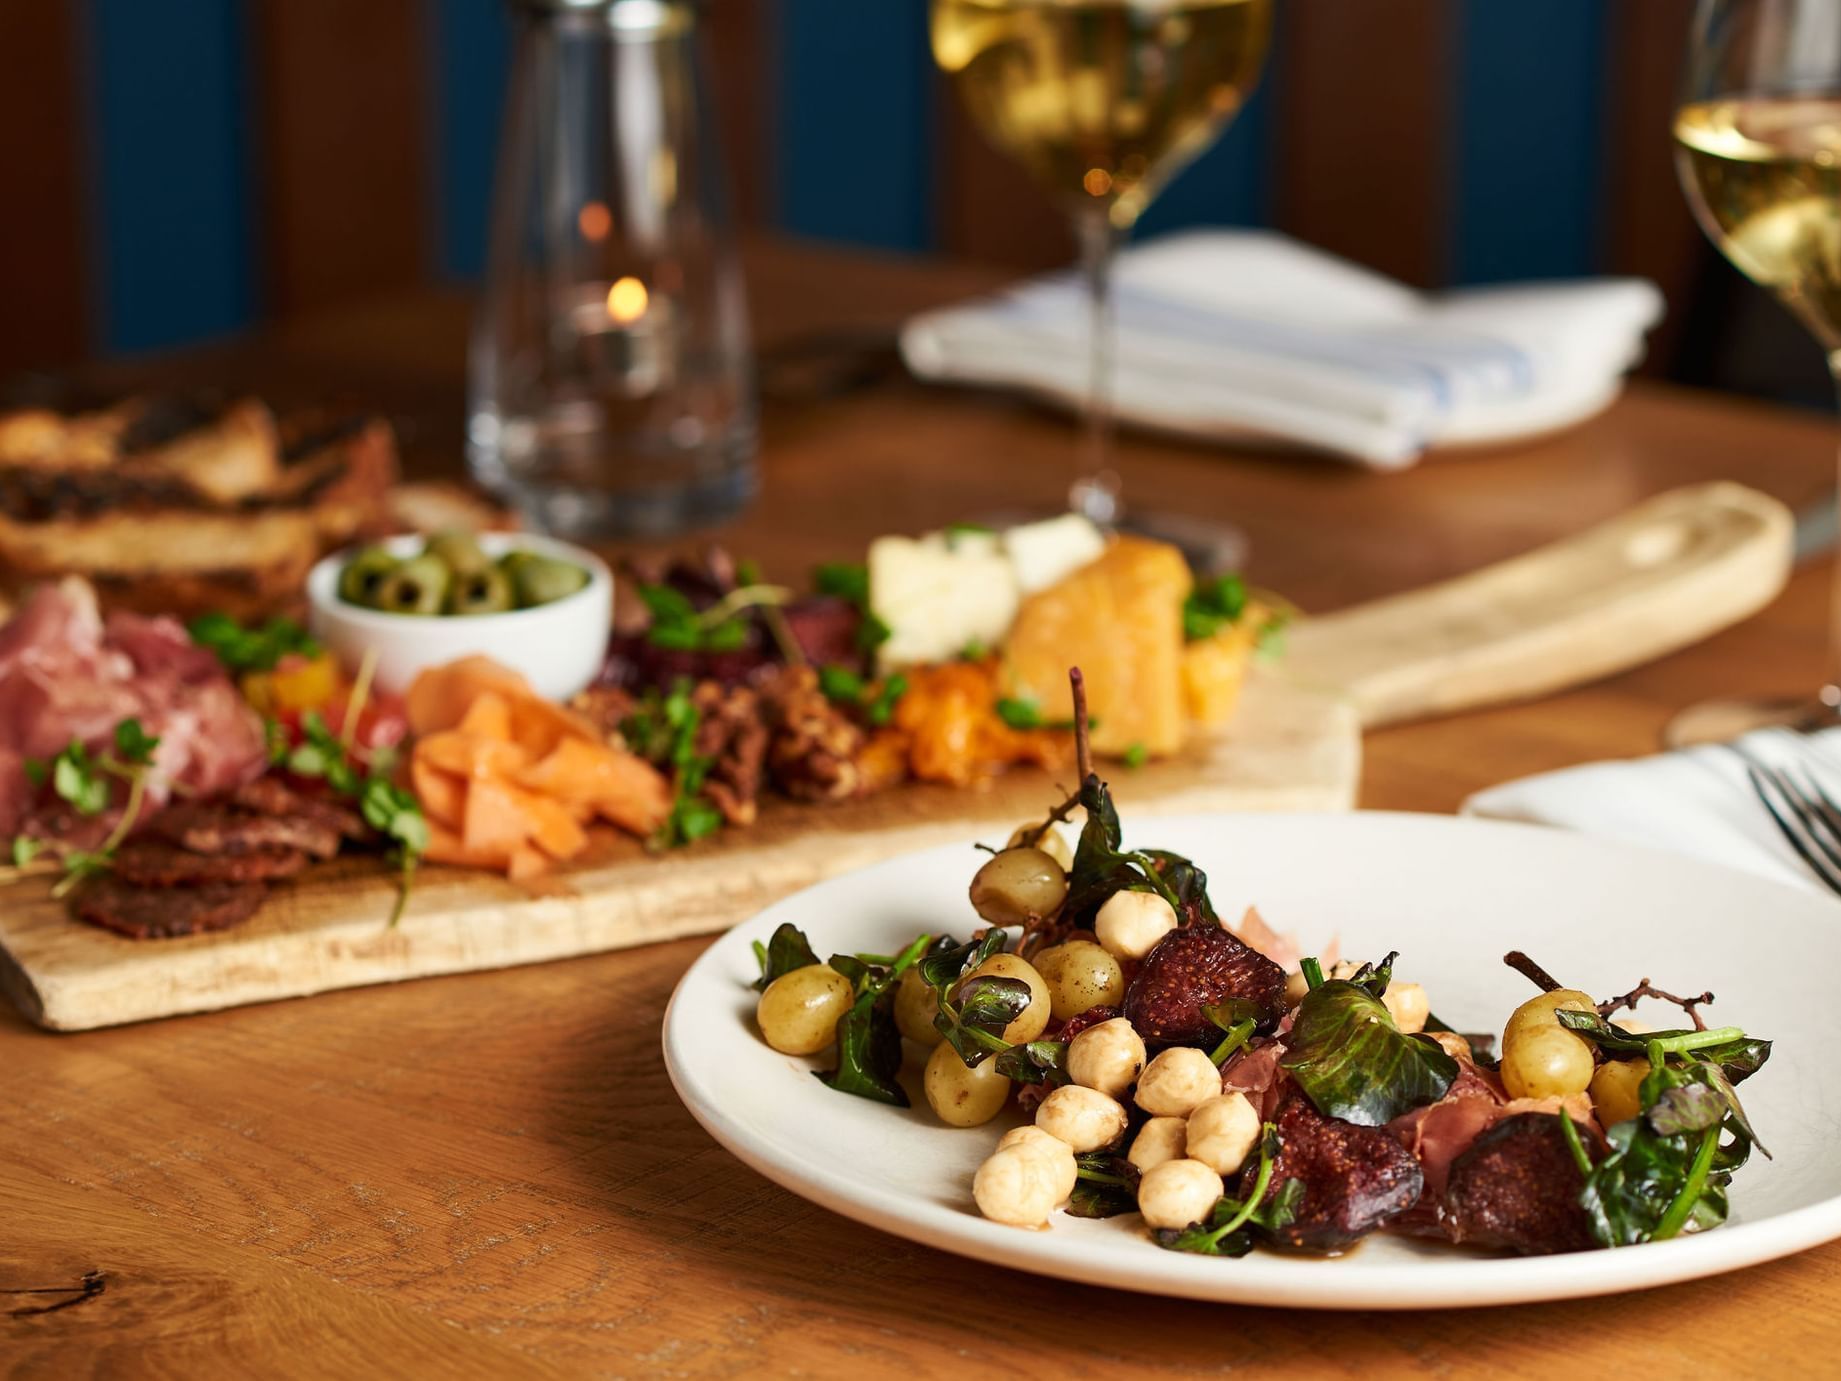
x: 1671, y: 571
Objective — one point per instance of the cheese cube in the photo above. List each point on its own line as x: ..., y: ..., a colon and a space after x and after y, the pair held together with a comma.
x: 938, y: 595
x: 1046, y: 552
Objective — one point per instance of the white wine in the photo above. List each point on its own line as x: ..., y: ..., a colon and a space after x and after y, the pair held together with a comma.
x: 1103, y: 100
x: 1764, y: 176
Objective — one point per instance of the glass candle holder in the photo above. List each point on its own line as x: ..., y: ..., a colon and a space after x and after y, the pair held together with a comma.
x: 611, y: 388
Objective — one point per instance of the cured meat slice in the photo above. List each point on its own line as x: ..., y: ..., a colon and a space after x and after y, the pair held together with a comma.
x: 149, y: 863
x: 150, y: 913
x: 217, y: 829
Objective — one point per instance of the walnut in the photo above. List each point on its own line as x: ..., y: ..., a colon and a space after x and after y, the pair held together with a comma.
x: 812, y: 745
x: 606, y: 706
x: 731, y: 733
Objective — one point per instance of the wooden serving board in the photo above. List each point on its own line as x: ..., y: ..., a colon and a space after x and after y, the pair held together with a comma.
x: 1287, y: 749
x: 1669, y: 572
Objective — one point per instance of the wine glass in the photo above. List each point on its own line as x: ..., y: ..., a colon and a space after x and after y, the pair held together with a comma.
x: 1758, y: 148
x: 1103, y: 101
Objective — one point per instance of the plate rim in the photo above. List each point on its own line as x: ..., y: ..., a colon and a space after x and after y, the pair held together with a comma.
x: 1465, y: 1281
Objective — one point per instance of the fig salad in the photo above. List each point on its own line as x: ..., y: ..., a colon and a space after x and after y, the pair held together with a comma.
x: 1234, y: 1092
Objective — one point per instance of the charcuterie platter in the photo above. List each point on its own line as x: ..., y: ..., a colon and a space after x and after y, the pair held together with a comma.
x: 467, y: 749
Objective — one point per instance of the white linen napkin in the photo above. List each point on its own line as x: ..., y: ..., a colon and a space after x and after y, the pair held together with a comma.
x: 1227, y: 334
x: 1694, y: 801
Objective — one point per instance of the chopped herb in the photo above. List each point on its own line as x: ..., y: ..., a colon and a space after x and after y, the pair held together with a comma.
x: 1019, y: 714
x: 871, y: 633
x: 387, y: 808
x: 680, y: 626
x: 840, y: 683
x: 843, y: 686
x: 76, y: 778
x: 1269, y: 643
x: 133, y: 743
x: 847, y: 580
x: 974, y: 651
x: 251, y: 649
x: 1212, y: 606
x: 37, y: 771
x: 958, y: 532
x: 881, y: 706
x: 663, y: 730
x: 1136, y: 755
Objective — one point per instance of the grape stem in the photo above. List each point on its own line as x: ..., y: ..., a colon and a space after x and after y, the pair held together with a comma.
x: 1083, y: 751
x: 1531, y: 971
x: 1646, y: 989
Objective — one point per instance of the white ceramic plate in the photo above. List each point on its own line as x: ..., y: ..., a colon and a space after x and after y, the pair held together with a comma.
x: 1452, y: 895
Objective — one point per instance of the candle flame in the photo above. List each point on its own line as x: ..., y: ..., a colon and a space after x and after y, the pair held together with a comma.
x: 626, y: 301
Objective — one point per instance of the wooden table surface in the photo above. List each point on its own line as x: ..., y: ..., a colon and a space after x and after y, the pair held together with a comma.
x: 490, y: 1175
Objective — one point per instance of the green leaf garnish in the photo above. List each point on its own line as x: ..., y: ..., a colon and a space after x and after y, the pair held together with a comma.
x: 787, y: 949
x: 1212, y: 605
x: 1352, y: 1061
x: 254, y: 648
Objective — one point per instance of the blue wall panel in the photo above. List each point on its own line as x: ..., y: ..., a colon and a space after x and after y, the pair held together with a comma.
x: 175, y: 219
x: 1530, y: 109
x: 856, y: 122
x: 471, y: 53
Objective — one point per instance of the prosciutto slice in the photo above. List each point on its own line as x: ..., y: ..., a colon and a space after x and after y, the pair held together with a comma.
x: 66, y: 673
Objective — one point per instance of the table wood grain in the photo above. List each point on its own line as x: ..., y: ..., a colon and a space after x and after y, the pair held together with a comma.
x: 490, y: 1175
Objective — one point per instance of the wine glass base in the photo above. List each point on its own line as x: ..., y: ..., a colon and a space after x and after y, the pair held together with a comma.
x: 1721, y: 721
x: 1211, y: 547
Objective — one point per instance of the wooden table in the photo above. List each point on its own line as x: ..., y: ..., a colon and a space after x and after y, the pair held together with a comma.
x: 489, y: 1175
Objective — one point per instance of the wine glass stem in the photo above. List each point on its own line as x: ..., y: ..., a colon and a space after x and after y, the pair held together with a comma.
x: 1831, y: 687
x: 1095, y: 492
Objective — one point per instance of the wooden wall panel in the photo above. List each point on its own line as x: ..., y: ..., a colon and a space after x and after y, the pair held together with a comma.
x: 1364, y: 101
x: 340, y: 91
x: 988, y: 208
x: 44, y: 303
x: 1648, y: 228
x: 743, y: 57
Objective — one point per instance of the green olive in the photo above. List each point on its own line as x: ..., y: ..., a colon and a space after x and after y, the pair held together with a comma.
x: 362, y: 575
x: 485, y: 591
x: 418, y: 586
x: 543, y: 580
x: 457, y: 550
x: 514, y: 561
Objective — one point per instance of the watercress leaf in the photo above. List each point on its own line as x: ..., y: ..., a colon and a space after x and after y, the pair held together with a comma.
x: 1100, y: 869
x: 852, y: 968
x: 1352, y: 1061
x: 1185, y: 883
x: 868, y: 1052
x: 948, y: 962
x: 1686, y: 1108
x: 695, y: 818
x: 25, y: 849
x: 988, y: 1003
x: 1037, y: 1062
x: 872, y: 632
x: 1105, y: 1186
x: 37, y: 770
x: 787, y: 949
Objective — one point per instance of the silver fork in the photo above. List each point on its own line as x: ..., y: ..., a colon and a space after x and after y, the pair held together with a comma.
x: 1805, y: 813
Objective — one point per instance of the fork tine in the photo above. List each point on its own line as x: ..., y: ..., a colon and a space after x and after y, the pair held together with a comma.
x: 1820, y: 829
x: 1817, y: 863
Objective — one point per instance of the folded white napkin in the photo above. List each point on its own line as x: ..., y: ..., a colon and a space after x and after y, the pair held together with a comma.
x: 1695, y: 801
x: 1228, y: 334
